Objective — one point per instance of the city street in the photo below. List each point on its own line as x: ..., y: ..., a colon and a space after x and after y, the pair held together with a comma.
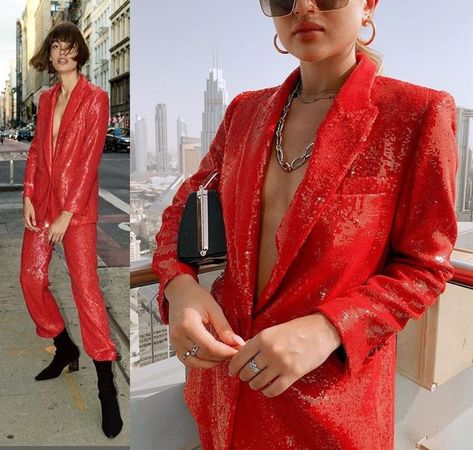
x: 67, y: 407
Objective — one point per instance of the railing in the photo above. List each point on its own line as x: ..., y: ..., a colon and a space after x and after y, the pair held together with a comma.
x: 9, y: 157
x: 141, y: 273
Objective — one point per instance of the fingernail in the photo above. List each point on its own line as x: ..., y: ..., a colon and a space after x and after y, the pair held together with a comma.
x: 238, y: 339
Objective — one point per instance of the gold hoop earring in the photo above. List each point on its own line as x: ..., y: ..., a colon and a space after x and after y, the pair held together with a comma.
x: 275, y: 42
x: 369, y: 21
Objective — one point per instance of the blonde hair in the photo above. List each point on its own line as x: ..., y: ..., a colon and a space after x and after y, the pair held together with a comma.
x: 372, y: 54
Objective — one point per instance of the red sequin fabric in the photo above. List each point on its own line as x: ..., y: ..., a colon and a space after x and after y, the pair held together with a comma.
x: 68, y: 180
x: 376, y: 225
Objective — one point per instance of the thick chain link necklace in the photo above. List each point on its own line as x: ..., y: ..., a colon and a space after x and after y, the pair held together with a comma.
x: 301, y: 159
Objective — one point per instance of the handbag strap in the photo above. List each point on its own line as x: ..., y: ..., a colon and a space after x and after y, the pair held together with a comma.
x: 208, y: 180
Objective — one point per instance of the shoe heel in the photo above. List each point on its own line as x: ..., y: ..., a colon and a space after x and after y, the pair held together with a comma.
x: 74, y: 366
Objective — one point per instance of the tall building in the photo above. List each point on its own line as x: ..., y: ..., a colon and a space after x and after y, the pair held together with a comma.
x: 139, y: 149
x: 161, y: 128
x: 181, y: 132
x: 190, y: 155
x: 120, y: 62
x: 19, y: 74
x: 463, y: 192
x: 100, y: 45
x: 86, y: 28
x: 215, y: 104
x: 37, y: 19
x: 134, y: 247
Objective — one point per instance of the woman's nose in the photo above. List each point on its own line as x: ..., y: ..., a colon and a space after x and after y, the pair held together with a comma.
x: 305, y: 6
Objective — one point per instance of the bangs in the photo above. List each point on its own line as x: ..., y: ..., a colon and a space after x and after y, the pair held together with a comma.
x: 67, y: 33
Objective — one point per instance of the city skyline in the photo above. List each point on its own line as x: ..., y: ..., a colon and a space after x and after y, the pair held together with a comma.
x: 424, y: 52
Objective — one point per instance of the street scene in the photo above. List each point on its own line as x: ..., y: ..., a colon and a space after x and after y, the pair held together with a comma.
x: 65, y: 411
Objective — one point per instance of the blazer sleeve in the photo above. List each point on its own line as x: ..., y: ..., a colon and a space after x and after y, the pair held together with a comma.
x: 31, y: 160
x: 96, y: 124
x: 165, y: 263
x: 423, y: 235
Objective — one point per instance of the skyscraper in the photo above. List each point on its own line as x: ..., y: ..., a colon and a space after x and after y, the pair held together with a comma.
x: 140, y: 145
x: 215, y: 104
x: 181, y: 132
x: 463, y: 194
x: 161, y: 127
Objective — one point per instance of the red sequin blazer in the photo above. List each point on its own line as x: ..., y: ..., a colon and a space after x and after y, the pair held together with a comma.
x: 69, y: 180
x: 365, y: 241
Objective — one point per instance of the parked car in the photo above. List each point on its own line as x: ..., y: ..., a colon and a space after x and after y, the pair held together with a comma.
x: 24, y: 135
x: 117, y: 140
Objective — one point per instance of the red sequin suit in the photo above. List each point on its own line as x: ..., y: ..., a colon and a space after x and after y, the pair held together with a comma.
x: 366, y: 241
x: 67, y: 180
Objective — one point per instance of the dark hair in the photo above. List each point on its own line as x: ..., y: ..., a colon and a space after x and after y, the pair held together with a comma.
x: 62, y: 32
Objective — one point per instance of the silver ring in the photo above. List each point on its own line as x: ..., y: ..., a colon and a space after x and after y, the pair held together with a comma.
x: 253, y: 367
x: 186, y: 355
x: 194, y: 350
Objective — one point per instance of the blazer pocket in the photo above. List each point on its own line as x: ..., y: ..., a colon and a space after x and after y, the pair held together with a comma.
x: 364, y: 185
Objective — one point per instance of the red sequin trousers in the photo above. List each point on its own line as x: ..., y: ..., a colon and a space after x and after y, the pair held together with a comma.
x: 80, y: 251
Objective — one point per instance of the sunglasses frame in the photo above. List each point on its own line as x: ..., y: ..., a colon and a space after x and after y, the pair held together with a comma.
x: 294, y: 5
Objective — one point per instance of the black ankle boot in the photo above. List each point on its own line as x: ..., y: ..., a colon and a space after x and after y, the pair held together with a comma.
x: 67, y: 354
x: 111, y: 420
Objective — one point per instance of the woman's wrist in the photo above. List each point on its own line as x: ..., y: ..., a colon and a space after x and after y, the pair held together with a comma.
x: 178, y: 285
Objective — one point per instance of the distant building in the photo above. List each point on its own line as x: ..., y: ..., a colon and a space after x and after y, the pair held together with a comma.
x: 161, y: 129
x: 153, y: 334
x: 464, y: 201
x: 181, y: 132
x: 120, y: 62
x: 134, y: 247
x: 100, y: 44
x: 215, y: 104
x: 190, y: 155
x: 140, y: 145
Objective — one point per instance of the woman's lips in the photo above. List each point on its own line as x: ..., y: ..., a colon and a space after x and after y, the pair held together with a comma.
x: 307, y: 30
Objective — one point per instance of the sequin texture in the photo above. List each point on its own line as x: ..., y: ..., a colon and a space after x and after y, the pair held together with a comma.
x: 67, y: 180
x: 365, y: 255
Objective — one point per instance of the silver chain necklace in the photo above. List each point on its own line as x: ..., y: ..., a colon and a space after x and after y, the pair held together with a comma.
x: 301, y: 159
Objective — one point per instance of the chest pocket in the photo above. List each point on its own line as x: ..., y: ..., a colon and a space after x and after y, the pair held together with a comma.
x: 366, y: 185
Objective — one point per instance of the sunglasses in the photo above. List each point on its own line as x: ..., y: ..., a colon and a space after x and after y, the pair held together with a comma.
x: 281, y: 8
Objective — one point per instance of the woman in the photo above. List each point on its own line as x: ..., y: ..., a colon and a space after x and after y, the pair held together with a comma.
x: 61, y: 206
x: 334, y: 242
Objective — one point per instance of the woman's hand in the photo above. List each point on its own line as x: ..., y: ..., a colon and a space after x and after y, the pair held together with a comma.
x: 59, y: 227
x: 191, y: 309
x: 285, y: 353
x: 29, y: 217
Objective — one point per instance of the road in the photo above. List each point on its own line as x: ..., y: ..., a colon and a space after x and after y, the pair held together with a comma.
x: 113, y: 229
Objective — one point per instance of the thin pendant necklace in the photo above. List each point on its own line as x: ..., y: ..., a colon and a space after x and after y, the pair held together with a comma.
x: 301, y: 159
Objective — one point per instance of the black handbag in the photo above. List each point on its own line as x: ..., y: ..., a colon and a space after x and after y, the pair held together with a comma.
x: 201, y: 237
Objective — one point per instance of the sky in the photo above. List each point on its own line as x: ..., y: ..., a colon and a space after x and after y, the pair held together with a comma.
x: 423, y: 41
x: 426, y: 42
x: 10, y: 10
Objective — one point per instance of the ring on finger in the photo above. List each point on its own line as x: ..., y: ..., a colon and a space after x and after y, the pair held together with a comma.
x: 186, y: 355
x: 253, y: 367
x: 194, y: 350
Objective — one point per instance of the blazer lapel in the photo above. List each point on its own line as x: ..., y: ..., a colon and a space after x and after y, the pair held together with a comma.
x: 77, y: 95
x: 339, y: 140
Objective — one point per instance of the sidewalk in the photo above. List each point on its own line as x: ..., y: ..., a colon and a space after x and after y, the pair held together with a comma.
x: 64, y: 411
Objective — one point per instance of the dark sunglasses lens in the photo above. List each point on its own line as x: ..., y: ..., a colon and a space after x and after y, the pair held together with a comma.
x: 327, y: 5
x: 277, y: 8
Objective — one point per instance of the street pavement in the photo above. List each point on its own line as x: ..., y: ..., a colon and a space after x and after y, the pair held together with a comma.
x: 64, y: 411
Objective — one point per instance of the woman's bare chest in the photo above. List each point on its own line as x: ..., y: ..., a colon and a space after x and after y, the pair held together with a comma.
x: 59, y: 109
